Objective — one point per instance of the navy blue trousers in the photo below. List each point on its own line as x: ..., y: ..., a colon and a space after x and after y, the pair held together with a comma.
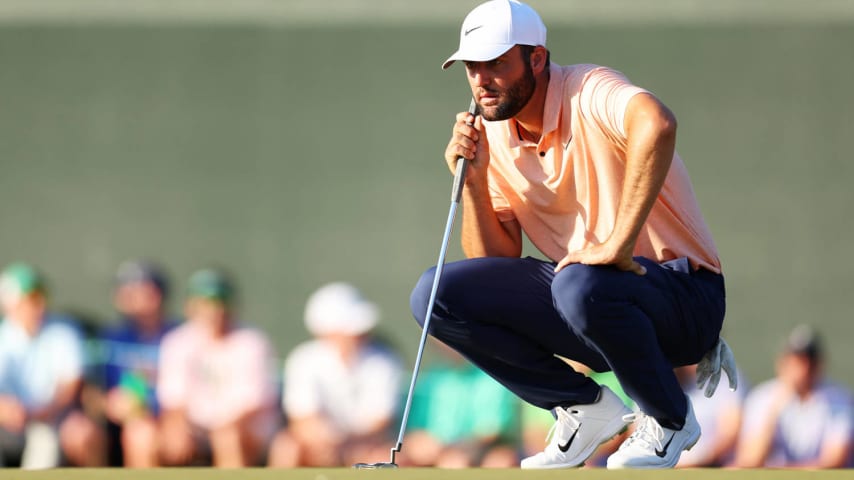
x: 511, y: 316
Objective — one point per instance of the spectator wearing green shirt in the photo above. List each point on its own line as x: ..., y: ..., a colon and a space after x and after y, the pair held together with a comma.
x: 461, y: 418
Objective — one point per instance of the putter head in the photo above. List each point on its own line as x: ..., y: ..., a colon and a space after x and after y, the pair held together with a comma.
x: 374, y: 466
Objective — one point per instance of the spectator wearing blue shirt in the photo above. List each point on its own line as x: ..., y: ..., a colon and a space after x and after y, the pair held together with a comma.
x: 131, y: 351
x: 41, y: 372
x: 799, y: 418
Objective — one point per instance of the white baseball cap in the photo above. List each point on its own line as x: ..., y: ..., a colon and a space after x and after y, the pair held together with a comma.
x: 340, y: 308
x: 496, y: 26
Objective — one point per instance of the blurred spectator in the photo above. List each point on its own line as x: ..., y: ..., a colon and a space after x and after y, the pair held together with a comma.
x: 719, y: 418
x: 131, y: 352
x: 461, y: 417
x: 798, y: 419
x: 341, y: 389
x: 215, y: 383
x: 536, y: 422
x: 41, y: 369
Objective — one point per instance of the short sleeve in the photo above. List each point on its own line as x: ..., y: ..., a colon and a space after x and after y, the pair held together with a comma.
x: 172, y: 379
x: 755, y: 405
x: 5, y: 382
x: 841, y: 421
x: 110, y: 366
x: 67, y: 349
x: 500, y: 204
x: 605, y: 96
x: 381, y: 377
x: 301, y: 397
x: 253, y: 391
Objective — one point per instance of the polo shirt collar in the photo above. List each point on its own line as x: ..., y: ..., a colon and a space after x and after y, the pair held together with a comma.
x: 551, y: 110
x: 554, y: 102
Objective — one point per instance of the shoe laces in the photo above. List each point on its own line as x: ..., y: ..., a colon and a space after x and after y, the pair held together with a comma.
x: 648, y: 433
x: 566, y: 423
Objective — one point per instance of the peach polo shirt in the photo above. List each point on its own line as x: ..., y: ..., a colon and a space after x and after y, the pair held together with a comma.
x: 565, y: 190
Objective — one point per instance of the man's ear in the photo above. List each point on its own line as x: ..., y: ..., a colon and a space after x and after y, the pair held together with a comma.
x: 538, y: 59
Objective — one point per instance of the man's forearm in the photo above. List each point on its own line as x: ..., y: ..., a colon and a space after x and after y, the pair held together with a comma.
x: 753, y: 451
x: 651, y: 131
x: 65, y: 396
x: 483, y: 235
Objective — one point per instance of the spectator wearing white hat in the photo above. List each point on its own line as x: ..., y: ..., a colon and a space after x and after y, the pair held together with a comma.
x: 341, y: 388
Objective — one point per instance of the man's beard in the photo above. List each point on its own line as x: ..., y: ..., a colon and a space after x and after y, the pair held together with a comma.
x: 517, y: 97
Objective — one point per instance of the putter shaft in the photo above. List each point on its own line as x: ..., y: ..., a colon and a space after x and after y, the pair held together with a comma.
x: 456, y: 194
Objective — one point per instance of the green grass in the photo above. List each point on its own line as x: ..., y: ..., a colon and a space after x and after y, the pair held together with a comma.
x: 424, y: 474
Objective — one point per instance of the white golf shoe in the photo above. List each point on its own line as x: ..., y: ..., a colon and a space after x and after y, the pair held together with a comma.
x: 579, y: 429
x: 654, y: 446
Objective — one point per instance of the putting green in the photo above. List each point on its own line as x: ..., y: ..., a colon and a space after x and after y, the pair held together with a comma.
x: 422, y: 474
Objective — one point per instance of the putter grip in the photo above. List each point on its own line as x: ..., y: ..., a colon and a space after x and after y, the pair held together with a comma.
x: 462, y: 164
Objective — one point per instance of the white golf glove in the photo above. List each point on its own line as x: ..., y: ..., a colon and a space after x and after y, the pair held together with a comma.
x: 719, y: 358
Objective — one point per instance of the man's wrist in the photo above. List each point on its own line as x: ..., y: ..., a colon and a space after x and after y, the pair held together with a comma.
x: 476, y: 187
x: 475, y: 178
x: 623, y: 246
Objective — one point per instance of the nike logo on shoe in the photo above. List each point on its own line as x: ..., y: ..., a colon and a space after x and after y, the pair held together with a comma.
x: 662, y: 453
x: 472, y: 29
x: 563, y: 448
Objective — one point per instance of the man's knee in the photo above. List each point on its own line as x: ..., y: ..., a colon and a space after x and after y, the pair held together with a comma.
x: 82, y: 440
x: 140, y: 434
x: 420, y: 296
x: 451, y: 312
x: 579, y: 292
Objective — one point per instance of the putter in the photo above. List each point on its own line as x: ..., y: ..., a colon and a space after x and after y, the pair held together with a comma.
x: 456, y: 193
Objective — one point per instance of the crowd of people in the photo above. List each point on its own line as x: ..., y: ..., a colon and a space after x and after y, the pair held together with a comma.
x: 152, y: 389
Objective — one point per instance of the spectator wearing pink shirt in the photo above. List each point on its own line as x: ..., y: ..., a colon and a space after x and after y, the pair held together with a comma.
x: 215, y: 387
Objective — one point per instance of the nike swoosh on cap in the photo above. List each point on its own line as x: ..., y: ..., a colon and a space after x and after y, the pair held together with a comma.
x: 472, y: 29
x: 563, y: 448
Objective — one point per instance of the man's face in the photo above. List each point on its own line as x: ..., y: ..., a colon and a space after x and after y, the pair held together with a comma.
x: 139, y: 300
x: 799, y: 372
x: 211, y: 315
x: 503, y: 86
x: 27, y: 309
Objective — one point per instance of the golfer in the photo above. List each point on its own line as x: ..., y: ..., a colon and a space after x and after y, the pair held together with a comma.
x: 583, y: 162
